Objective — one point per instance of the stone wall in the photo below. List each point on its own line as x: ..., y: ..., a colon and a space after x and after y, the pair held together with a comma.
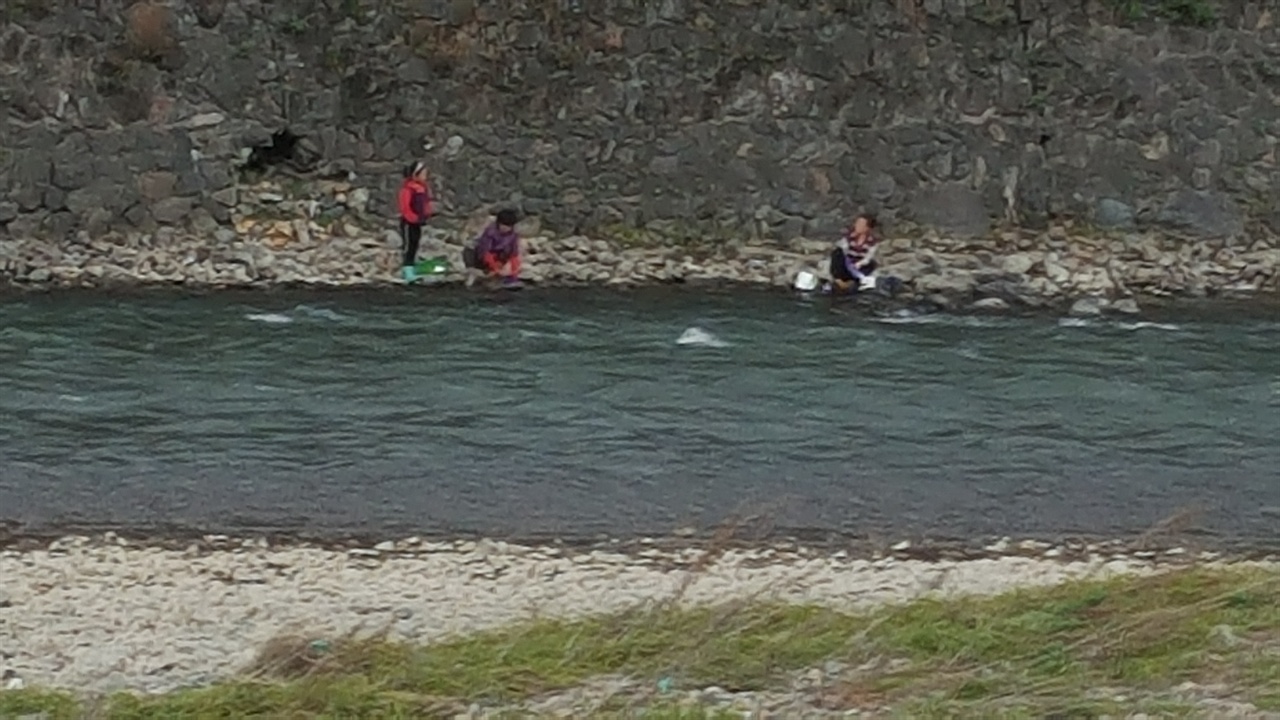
x: 776, y: 118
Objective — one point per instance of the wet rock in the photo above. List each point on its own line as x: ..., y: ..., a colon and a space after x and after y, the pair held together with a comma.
x: 993, y: 304
x: 1127, y: 306
x: 1088, y: 307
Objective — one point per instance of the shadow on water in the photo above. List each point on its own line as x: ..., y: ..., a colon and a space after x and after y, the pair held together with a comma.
x: 578, y: 413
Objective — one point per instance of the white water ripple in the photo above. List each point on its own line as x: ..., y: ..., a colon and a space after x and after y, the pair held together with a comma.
x: 698, y: 337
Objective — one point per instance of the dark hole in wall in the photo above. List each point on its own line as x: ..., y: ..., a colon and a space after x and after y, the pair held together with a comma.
x: 282, y: 149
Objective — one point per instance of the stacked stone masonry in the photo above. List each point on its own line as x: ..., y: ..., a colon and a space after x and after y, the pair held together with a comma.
x: 736, y: 120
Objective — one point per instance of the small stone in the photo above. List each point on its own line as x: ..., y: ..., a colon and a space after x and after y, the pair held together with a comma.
x: 385, y: 546
x: 991, y: 303
x: 999, y: 546
x: 1128, y: 306
x: 204, y: 120
x: 1087, y: 307
x: 1018, y: 263
x: 904, y: 545
x: 302, y: 232
x: 358, y: 200
x: 8, y: 211
x: 171, y: 211
x: 228, y: 197
x: 1056, y: 273
x: 1225, y: 634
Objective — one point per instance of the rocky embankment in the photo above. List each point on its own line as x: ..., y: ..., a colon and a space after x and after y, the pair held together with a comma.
x: 107, y: 614
x: 322, y: 234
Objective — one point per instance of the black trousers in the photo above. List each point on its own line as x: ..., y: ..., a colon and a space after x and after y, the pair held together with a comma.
x: 410, y: 238
x: 840, y: 268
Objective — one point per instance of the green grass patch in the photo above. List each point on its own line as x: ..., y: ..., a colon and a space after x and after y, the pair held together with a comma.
x: 1075, y: 650
x: 51, y: 705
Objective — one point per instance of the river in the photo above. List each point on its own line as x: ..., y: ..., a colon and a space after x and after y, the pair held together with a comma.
x: 577, y: 413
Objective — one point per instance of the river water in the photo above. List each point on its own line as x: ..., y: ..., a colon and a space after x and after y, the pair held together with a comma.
x: 580, y: 413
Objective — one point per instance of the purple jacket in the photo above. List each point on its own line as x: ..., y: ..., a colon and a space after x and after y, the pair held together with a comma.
x: 502, y: 245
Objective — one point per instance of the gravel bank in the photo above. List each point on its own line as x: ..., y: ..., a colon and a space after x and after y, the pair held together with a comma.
x: 104, y: 617
x: 323, y: 235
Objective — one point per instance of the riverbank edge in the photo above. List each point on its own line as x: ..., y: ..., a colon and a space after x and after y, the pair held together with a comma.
x: 276, y: 242
x: 542, y: 659
x: 1233, y: 304
x: 1158, y: 546
x: 454, y: 282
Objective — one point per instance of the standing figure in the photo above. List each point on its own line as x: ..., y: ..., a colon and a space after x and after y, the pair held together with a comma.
x: 416, y: 207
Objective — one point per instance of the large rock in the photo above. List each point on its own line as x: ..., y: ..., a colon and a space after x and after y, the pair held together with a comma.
x: 1112, y: 213
x: 952, y: 208
x: 1203, y: 213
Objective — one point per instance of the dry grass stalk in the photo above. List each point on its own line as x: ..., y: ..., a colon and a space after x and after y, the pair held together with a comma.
x: 1181, y: 521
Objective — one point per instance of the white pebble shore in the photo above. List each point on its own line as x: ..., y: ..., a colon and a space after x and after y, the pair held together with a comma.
x: 101, y: 618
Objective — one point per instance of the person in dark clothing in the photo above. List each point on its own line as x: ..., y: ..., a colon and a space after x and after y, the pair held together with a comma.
x: 416, y: 207
x: 497, y: 250
x: 853, y: 259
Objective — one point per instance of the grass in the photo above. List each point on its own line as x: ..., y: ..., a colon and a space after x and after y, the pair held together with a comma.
x: 1194, y: 13
x: 1079, y: 649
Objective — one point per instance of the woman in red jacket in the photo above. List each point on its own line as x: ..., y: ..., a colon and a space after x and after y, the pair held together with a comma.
x: 416, y: 207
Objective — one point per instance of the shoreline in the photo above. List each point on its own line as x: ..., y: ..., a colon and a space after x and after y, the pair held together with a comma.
x: 1167, y: 547
x: 1247, y: 305
x: 277, y: 242
x: 104, y: 619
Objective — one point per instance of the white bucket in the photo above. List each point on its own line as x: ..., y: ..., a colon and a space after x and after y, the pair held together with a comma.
x: 806, y: 281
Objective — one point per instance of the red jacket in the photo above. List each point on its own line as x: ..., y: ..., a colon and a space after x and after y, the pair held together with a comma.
x: 416, y: 204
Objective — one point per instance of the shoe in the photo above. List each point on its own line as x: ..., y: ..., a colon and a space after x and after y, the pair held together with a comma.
x: 867, y: 283
x: 408, y: 273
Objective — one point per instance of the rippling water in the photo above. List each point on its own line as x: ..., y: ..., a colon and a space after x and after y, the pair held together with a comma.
x: 578, y: 413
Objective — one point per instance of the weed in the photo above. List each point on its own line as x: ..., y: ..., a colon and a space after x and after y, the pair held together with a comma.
x: 1197, y: 13
x: 1193, y: 13
x: 1079, y: 649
